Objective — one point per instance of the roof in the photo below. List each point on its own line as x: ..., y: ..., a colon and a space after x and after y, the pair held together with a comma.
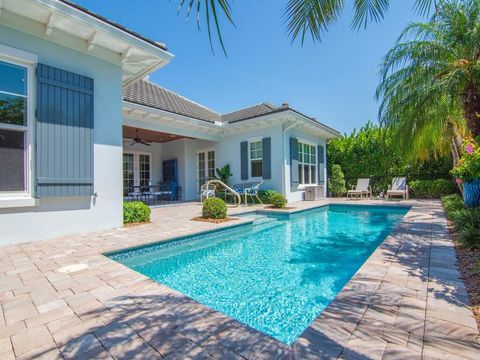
x: 152, y: 95
x: 148, y: 94
x: 249, y: 112
x: 112, y: 23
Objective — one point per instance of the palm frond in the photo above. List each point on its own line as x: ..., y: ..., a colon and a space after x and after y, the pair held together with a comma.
x: 366, y: 11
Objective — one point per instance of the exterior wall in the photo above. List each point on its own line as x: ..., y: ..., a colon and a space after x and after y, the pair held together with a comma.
x: 298, y: 194
x: 228, y: 152
x: 67, y: 215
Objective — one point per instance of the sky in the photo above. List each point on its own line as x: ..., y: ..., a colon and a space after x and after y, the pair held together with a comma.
x: 333, y: 80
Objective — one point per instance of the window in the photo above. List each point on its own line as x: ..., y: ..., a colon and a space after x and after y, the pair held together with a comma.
x: 307, y: 164
x: 14, y: 128
x: 256, y: 158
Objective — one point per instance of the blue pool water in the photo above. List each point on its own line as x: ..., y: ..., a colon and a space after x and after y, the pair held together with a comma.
x: 276, y: 275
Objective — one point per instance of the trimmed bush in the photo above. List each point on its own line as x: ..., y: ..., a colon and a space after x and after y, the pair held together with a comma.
x: 432, y: 189
x: 214, y: 208
x: 278, y: 201
x: 337, y: 182
x: 135, y: 212
x: 266, y: 195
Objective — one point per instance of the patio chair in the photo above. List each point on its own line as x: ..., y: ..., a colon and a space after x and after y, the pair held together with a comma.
x: 363, y: 188
x: 248, y: 189
x: 207, y: 190
x: 399, y: 187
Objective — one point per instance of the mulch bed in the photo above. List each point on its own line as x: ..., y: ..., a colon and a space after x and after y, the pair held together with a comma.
x: 469, y: 262
x: 274, y: 208
x: 135, y: 224
x: 214, y: 221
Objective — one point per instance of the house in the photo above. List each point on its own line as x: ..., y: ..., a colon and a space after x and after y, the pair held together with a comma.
x: 73, y: 95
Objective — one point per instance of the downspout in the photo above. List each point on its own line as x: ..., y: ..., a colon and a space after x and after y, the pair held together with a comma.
x: 284, y: 130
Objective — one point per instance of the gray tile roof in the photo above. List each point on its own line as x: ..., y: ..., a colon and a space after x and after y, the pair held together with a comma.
x: 250, y: 112
x: 152, y: 95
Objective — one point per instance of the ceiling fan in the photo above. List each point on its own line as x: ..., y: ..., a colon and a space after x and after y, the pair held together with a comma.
x: 138, y: 140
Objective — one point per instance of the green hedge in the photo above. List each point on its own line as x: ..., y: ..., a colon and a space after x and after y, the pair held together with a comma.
x: 465, y: 220
x: 432, y: 189
x: 135, y: 212
x: 214, y: 208
x: 266, y: 195
x: 278, y: 201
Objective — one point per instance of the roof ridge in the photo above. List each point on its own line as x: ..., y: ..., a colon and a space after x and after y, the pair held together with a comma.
x: 270, y: 105
x: 181, y: 96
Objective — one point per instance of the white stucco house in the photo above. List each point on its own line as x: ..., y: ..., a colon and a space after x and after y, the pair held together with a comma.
x: 74, y: 96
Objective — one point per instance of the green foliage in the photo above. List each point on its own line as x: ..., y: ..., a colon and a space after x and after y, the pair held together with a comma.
x: 432, y: 189
x: 468, y: 168
x: 224, y: 173
x: 466, y: 221
x: 452, y: 203
x: 278, y: 201
x: 370, y: 153
x: 266, y: 195
x: 135, y: 212
x: 336, y: 185
x: 214, y: 208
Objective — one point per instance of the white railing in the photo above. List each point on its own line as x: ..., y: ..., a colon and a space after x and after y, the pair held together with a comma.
x: 208, y: 190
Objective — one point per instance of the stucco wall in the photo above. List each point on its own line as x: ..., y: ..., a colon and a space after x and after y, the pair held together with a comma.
x: 61, y: 216
x: 228, y: 152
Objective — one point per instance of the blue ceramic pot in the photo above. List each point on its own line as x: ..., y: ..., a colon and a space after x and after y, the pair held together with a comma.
x: 471, y: 193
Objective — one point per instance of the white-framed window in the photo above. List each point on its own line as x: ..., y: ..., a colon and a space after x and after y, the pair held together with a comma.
x: 256, y: 158
x: 307, y: 163
x: 16, y: 122
x: 137, y: 171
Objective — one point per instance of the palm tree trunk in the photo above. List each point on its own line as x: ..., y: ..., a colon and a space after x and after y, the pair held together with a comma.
x: 471, y: 107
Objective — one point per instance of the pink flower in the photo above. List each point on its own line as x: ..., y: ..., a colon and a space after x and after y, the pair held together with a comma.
x: 469, y: 149
x: 458, y: 181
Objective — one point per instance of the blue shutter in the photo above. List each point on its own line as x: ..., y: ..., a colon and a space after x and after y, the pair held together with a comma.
x: 267, y: 158
x: 294, y: 179
x: 244, y: 160
x: 64, y: 133
x: 321, y: 161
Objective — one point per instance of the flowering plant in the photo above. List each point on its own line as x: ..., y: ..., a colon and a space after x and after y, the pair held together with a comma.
x: 468, y: 167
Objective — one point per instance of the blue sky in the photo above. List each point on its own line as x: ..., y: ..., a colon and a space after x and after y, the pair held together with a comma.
x: 334, y: 80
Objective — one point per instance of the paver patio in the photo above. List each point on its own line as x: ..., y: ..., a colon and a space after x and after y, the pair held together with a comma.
x: 406, y: 302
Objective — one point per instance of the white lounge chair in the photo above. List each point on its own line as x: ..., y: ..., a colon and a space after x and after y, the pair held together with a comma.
x: 399, y: 188
x: 363, y: 188
x: 248, y: 189
x: 207, y: 190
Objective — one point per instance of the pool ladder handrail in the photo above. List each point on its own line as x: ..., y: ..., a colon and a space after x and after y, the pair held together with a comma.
x: 225, y: 186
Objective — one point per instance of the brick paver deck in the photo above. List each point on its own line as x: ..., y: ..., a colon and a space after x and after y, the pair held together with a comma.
x: 406, y: 302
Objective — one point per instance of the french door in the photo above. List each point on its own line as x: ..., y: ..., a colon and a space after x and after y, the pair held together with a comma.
x: 205, y: 167
x: 136, y: 171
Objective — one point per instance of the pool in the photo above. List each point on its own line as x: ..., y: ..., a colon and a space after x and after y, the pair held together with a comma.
x: 275, y: 275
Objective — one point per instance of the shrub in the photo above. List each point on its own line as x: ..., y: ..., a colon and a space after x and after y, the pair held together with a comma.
x: 466, y: 221
x: 266, y: 195
x: 337, y: 181
x: 278, y: 201
x: 452, y: 203
x: 214, y: 208
x: 432, y: 189
x: 135, y: 212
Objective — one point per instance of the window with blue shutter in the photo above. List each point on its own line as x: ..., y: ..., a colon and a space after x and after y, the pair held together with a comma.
x: 321, y: 161
x: 64, y: 133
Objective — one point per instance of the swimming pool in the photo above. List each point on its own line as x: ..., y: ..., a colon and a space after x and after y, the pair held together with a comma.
x: 275, y: 275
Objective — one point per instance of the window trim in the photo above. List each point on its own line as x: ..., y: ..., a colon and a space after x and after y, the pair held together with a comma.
x: 250, y: 173
x: 28, y: 61
x: 300, y: 162
x: 136, y: 162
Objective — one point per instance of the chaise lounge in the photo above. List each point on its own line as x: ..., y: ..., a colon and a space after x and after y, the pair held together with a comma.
x: 363, y: 188
x: 399, y: 188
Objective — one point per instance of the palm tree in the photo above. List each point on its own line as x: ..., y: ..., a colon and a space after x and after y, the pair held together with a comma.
x: 302, y: 17
x: 430, y: 80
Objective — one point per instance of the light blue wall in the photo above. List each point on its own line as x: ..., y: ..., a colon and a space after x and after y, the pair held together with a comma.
x: 61, y: 216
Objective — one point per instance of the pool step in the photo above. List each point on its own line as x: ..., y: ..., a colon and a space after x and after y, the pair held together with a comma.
x: 264, y: 222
